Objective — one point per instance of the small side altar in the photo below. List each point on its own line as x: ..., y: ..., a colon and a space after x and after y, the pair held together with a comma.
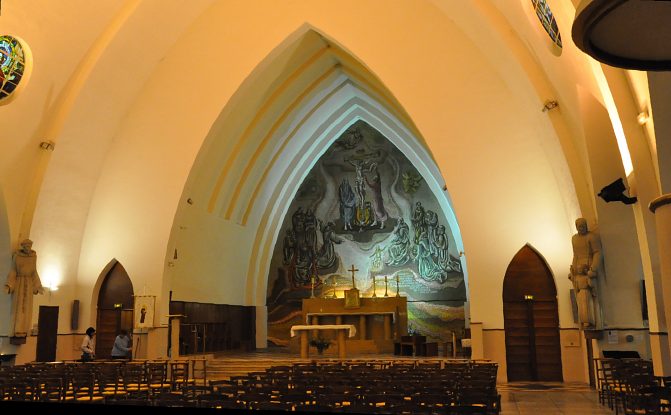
x: 380, y: 320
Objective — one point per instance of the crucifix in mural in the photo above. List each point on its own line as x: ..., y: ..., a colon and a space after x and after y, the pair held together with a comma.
x: 365, y: 204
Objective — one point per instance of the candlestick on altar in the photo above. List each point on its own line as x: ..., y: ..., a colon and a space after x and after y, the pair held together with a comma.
x: 312, y: 288
x: 385, y: 286
x: 335, y: 283
x: 374, y: 288
x: 398, y: 294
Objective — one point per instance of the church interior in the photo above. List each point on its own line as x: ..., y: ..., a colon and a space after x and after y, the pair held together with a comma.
x: 477, y: 183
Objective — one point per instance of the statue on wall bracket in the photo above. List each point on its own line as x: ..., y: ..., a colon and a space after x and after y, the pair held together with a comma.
x: 22, y: 283
x: 584, y: 270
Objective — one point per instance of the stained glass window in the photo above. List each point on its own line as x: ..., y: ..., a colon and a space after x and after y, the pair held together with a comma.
x: 12, y: 65
x: 547, y: 20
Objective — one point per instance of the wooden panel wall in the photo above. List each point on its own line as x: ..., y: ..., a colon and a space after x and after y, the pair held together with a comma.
x: 215, y: 327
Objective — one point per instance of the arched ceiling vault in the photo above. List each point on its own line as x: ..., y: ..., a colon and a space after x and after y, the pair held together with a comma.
x: 297, y: 86
x: 322, y: 90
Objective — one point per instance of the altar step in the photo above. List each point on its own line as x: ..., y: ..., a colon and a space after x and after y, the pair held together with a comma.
x: 218, y: 369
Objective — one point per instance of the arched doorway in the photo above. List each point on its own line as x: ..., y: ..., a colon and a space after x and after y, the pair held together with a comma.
x: 531, y: 319
x: 115, y: 309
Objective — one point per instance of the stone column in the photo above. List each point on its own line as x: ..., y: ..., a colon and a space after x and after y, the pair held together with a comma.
x: 659, y: 341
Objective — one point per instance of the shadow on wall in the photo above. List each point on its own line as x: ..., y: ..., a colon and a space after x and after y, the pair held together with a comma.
x: 5, y: 263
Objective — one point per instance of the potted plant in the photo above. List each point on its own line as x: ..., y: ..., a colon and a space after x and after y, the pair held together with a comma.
x: 321, y: 344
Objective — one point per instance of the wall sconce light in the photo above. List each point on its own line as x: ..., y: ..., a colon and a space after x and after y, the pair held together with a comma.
x: 528, y: 297
x: 550, y: 105
x: 643, y: 117
x: 47, y: 145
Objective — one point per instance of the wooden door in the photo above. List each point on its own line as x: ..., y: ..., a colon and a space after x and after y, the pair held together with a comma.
x: 115, y: 309
x: 531, y: 319
x: 47, y: 334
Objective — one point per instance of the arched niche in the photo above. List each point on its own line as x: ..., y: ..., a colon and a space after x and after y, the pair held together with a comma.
x: 115, y: 308
x: 528, y: 274
x: 531, y: 319
x: 291, y: 109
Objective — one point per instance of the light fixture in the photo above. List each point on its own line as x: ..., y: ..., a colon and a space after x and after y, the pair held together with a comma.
x: 47, y: 145
x: 642, y: 117
x: 631, y: 34
x: 550, y: 105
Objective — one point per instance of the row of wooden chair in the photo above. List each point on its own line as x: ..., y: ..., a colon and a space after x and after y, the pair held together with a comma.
x: 458, y: 388
x: 630, y: 387
x: 94, y: 381
x: 370, y: 387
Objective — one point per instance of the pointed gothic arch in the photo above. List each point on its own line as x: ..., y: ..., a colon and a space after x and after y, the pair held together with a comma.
x: 531, y: 319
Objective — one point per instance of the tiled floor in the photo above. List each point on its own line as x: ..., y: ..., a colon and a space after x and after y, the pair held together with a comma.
x: 550, y: 399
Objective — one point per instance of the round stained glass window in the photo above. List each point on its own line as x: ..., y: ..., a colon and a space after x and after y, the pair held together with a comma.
x: 12, y: 65
x: 547, y: 19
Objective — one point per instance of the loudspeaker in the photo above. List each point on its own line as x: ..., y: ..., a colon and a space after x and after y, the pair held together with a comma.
x: 74, y: 317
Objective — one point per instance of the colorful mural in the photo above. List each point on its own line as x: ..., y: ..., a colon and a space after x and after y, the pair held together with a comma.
x: 364, y: 204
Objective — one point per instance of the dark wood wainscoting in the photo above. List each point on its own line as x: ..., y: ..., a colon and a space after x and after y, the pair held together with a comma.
x: 215, y: 327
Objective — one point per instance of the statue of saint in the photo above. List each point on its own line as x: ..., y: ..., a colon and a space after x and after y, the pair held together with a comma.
x: 584, y: 270
x: 22, y: 283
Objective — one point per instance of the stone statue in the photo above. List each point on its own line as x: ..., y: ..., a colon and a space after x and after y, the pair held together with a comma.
x: 22, y: 283
x: 584, y: 270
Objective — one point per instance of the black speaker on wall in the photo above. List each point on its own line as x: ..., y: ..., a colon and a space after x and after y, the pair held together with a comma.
x: 74, y: 318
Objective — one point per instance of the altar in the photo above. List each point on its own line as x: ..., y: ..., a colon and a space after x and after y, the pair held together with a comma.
x: 338, y: 328
x: 380, y: 320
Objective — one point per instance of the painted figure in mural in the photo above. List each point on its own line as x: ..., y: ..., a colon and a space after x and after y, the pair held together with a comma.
x: 347, y: 204
x: 378, y: 204
x: 289, y: 247
x: 426, y: 265
x: 359, y: 185
x: 431, y: 222
x: 398, y: 252
x: 584, y: 270
x: 298, y: 225
x: 297, y: 219
x: 365, y: 216
x: 418, y: 222
x: 441, y: 245
x: 327, y: 255
x: 310, y: 234
x: 376, y: 260
x: 22, y: 283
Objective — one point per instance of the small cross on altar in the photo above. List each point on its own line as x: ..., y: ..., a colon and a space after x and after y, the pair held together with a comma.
x: 353, y: 270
